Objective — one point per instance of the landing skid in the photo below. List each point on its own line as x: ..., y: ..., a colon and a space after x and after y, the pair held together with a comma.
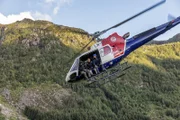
x: 108, y: 75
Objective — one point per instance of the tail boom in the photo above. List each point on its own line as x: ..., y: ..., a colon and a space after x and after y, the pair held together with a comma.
x: 142, y: 38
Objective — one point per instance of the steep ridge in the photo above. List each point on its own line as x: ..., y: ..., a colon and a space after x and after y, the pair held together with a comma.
x: 32, y: 71
x: 29, y: 31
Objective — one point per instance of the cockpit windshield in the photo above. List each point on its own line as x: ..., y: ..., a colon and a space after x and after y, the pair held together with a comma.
x: 75, y: 65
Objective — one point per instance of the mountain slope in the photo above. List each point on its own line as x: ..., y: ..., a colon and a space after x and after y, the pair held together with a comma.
x: 150, y: 90
x: 32, y: 72
x: 28, y: 32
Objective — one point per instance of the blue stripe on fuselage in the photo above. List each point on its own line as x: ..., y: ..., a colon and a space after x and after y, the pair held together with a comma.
x: 141, y: 39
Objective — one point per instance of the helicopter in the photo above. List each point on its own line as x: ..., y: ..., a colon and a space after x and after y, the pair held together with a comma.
x: 113, y: 49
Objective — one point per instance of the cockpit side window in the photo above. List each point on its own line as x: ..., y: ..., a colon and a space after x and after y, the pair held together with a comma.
x: 105, y: 51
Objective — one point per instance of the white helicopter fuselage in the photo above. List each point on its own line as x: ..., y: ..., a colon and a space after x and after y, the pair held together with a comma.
x: 108, y: 50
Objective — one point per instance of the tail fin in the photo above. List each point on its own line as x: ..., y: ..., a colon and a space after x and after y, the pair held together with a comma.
x: 171, y: 17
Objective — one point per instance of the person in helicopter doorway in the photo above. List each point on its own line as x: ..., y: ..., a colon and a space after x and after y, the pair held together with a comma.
x: 95, y: 63
x: 89, y: 66
x: 84, y: 68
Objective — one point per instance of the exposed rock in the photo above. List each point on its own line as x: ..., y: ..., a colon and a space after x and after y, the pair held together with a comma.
x: 33, y: 59
x: 35, y: 41
x: 6, y: 111
x: 6, y: 93
x: 46, y: 100
x: 25, y: 42
x: 10, y: 113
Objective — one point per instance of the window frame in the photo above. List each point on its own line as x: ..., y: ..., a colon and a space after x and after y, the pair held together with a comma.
x: 102, y: 51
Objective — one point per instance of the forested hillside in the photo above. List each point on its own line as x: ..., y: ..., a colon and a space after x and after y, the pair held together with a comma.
x: 33, y: 56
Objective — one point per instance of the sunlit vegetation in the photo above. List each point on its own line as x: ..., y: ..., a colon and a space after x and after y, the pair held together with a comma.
x: 149, y: 90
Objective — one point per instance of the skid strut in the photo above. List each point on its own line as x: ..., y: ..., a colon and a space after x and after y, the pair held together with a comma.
x: 108, y: 75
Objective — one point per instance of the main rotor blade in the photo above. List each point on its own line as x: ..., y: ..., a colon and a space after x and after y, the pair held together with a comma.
x: 97, y: 34
x: 134, y: 16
